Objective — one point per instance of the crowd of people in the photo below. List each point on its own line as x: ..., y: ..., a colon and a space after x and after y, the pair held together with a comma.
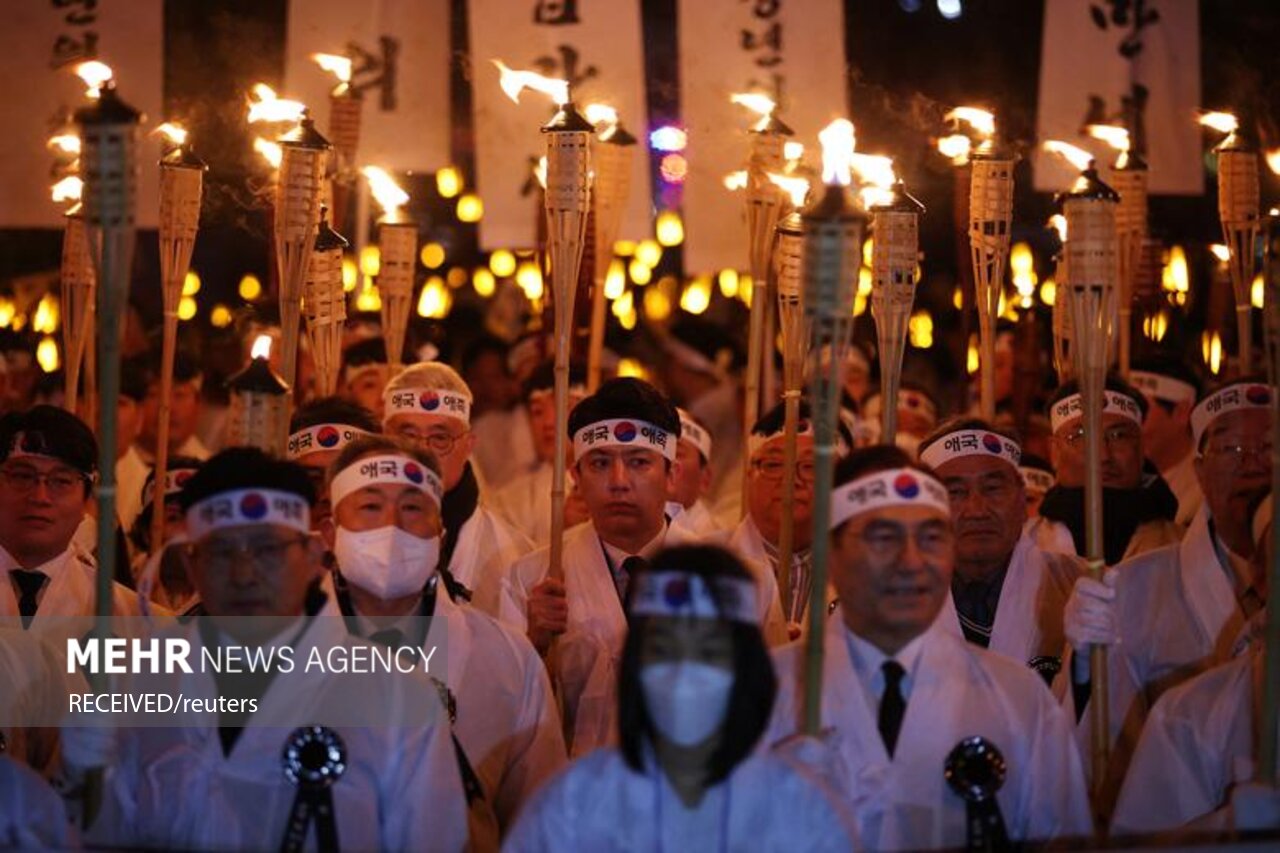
x: 648, y: 691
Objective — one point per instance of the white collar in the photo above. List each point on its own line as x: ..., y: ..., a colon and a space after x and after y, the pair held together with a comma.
x: 52, y: 568
x: 868, y: 659
x: 617, y: 555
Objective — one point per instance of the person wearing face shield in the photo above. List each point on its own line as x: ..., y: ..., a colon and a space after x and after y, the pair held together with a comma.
x: 385, y: 534
x: 901, y: 688
x: 161, y: 568
x: 695, y: 687
x: 1007, y: 594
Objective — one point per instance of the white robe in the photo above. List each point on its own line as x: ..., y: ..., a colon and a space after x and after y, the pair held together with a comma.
x: 747, y: 542
x: 1197, y: 743
x: 1054, y: 536
x: 131, y: 475
x: 525, y: 501
x: 32, y: 816
x: 68, y: 601
x: 34, y: 698
x: 958, y: 691
x: 486, y: 546
x: 504, y: 445
x: 174, y: 787
x: 601, y: 804
x: 1182, y: 481
x: 696, y: 522
x: 1028, y: 622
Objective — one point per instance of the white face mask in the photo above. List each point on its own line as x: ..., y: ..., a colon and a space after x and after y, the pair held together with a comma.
x: 388, y: 562
x: 687, y: 700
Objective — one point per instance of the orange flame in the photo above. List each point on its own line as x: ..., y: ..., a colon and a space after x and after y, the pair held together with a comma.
x: 1273, y: 160
x: 269, y: 150
x: 795, y: 186
x: 261, y: 347
x: 268, y: 107
x: 1077, y: 157
x: 982, y: 121
x: 175, y: 133
x: 736, y: 180
x: 1116, y: 137
x: 957, y: 147
x: 1221, y: 122
x: 338, y: 66
x: 65, y: 143
x: 69, y: 188
x: 95, y: 75
x: 757, y: 103
x: 386, y: 192
x: 837, y: 141
x: 514, y: 82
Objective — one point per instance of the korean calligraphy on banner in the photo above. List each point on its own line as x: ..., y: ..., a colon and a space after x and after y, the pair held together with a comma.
x: 597, y: 47
x: 1107, y: 60
x: 400, y: 66
x: 790, y: 50
x: 41, y: 43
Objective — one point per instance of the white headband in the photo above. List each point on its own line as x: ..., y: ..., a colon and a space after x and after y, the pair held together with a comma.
x: 1162, y: 387
x: 692, y: 432
x: 757, y: 442
x: 351, y: 371
x: 389, y: 469
x: 971, y: 442
x: 1037, y: 479
x: 320, y: 437
x: 909, y: 399
x: 1230, y: 399
x: 248, y: 507
x: 174, y: 480
x: 894, y: 487
x: 1114, y: 403
x: 621, y: 432
x: 685, y: 594
x: 427, y: 401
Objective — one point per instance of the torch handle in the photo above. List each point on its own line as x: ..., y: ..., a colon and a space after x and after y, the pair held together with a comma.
x: 1095, y: 556
x: 555, y: 567
x: 168, y: 351
x: 787, y: 526
x: 1125, y: 322
x: 1269, y: 715
x: 986, y: 364
x: 751, y: 384
x: 1244, y: 329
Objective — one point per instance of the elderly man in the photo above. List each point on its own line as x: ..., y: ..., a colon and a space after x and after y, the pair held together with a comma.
x: 1171, y: 390
x: 1170, y: 613
x: 624, y: 441
x: 287, y: 752
x: 903, y: 690
x: 385, y: 533
x: 1139, y: 506
x: 429, y: 405
x: 1006, y: 594
x: 317, y: 433
x: 687, y: 506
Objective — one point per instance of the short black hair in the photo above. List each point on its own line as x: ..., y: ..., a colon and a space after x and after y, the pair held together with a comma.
x: 754, y: 683
x: 774, y: 421
x: 965, y: 422
x: 366, y: 352
x: 333, y: 410
x: 246, y: 468
x: 483, y: 345
x: 140, y: 532
x: 626, y: 397
x: 1113, y: 383
x: 1030, y: 460
x: 55, y: 432
x: 543, y: 377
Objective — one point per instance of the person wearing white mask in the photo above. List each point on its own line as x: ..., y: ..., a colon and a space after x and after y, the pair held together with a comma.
x: 695, y: 687
x: 687, y: 507
x: 905, y: 694
x: 429, y: 405
x: 385, y: 536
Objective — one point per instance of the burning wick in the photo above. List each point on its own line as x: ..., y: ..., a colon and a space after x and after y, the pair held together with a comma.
x: 338, y: 66
x: 514, y: 82
x: 95, y: 75
x: 386, y: 191
x: 837, y: 141
x: 1077, y: 157
x: 1116, y: 137
x: 67, y: 143
x: 174, y: 133
x: 68, y: 189
x: 603, y: 116
x: 269, y: 150
x: 268, y: 107
x: 1221, y: 122
x: 261, y: 347
x: 982, y: 121
x: 796, y: 187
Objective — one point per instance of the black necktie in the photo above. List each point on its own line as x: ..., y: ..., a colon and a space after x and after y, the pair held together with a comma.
x: 630, y: 568
x: 392, y: 637
x: 892, y: 706
x: 29, y: 584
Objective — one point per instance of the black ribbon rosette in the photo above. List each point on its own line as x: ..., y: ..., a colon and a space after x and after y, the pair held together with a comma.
x: 314, y: 758
x: 975, y: 770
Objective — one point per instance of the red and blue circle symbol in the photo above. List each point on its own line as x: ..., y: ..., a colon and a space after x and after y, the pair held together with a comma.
x: 906, y: 486
x: 429, y: 400
x: 253, y: 506
x: 413, y: 471
x: 625, y: 431
x: 676, y: 593
x: 328, y: 436
x: 1258, y: 395
x: 991, y: 443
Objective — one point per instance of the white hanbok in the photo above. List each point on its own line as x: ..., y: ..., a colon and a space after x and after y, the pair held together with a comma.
x: 175, y: 787
x: 746, y: 540
x: 601, y: 804
x: 524, y: 500
x: 696, y: 522
x: 957, y: 691
x: 487, y: 545
x: 1056, y: 537
x: 68, y: 600
x: 1182, y: 481
x: 504, y: 445
x: 34, y: 698
x: 32, y: 816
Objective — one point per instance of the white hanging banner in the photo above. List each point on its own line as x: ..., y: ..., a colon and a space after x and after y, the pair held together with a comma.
x: 790, y: 50
x: 1102, y: 59
x: 400, y: 62
x: 596, y: 46
x: 40, y: 45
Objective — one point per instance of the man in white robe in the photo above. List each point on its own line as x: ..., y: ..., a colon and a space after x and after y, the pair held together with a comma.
x: 506, y: 720
x: 218, y: 776
x: 1007, y: 594
x: 900, y: 690
x: 1171, y: 390
x: 1173, y: 612
x: 429, y: 405
x: 687, y: 507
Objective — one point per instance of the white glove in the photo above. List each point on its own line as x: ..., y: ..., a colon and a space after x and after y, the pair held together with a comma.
x: 87, y: 746
x: 1090, y: 615
x: 1255, y: 806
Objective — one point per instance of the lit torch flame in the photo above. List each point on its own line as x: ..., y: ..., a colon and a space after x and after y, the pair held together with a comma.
x: 837, y: 141
x: 957, y: 147
x: 792, y: 151
x: 66, y: 143
x: 603, y: 116
x: 269, y: 107
x: 269, y: 150
x: 757, y: 103
x: 95, y: 75
x: 982, y: 121
x: 68, y: 189
x: 540, y: 171
x: 1116, y: 137
x: 1058, y: 223
x: 1077, y: 157
x: 338, y: 66
x: 1273, y: 160
x: 736, y: 180
x: 514, y: 82
x: 175, y: 133
x: 875, y: 173
x: 1221, y: 122
x: 386, y: 192
x: 796, y: 187
x: 261, y: 347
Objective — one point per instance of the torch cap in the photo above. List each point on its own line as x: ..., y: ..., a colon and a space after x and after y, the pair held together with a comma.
x: 1089, y: 186
x: 792, y: 224
x: 108, y: 109
x: 772, y: 124
x: 182, y: 157
x: 326, y: 238
x: 568, y: 120
x: 900, y: 201
x: 994, y: 148
x: 616, y: 134
x: 258, y: 378
x: 305, y: 135
x: 1243, y: 139
x: 836, y: 204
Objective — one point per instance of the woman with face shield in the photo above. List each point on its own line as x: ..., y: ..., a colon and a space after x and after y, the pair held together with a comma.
x: 695, y: 689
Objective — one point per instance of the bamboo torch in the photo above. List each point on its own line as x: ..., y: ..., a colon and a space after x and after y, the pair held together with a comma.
x: 833, y: 231
x: 299, y: 187
x: 1270, y: 715
x: 1239, y: 209
x: 77, y: 286
x: 990, y: 227
x: 324, y: 305
x: 259, y: 412
x: 611, y: 154
x: 788, y: 258
x: 181, y: 187
x: 764, y: 206
x: 1061, y: 322
x: 397, y: 261
x: 1129, y: 178
x: 894, y: 257
x: 346, y: 107
x: 1090, y: 209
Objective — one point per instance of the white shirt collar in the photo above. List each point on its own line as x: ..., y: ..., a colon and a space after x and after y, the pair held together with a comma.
x: 868, y: 659
x: 617, y: 555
